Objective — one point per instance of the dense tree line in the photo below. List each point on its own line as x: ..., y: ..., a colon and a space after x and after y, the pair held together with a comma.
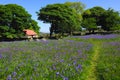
x: 109, y: 20
x: 13, y: 20
x: 71, y: 16
x: 64, y: 18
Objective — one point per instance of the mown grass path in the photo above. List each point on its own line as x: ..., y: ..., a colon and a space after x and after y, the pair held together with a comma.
x: 92, y: 71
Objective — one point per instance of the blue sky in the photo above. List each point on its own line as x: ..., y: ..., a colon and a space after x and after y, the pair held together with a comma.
x: 32, y: 6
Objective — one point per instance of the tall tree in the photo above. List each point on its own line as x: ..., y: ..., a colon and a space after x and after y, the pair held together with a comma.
x: 5, y: 20
x: 94, y: 14
x: 97, y: 12
x: 62, y: 18
x: 90, y: 24
x: 78, y: 6
x: 33, y: 25
x: 14, y: 19
x: 108, y: 19
x: 111, y: 20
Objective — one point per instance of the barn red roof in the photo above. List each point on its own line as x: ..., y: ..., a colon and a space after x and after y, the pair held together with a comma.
x: 29, y: 32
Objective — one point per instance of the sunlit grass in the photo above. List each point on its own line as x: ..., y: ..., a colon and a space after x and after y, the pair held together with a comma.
x: 44, y: 59
x: 72, y: 58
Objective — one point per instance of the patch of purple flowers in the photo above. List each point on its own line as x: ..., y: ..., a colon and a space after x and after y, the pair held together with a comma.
x: 64, y: 78
x: 1, y: 56
x: 14, y: 74
x: 78, y: 67
x: 98, y: 36
x: 9, y: 77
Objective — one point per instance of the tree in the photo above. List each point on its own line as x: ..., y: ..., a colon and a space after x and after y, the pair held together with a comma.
x: 78, y: 6
x: 14, y: 19
x: 33, y: 26
x: 108, y: 19
x: 90, y: 24
x: 62, y: 18
x: 97, y: 12
x: 5, y: 19
x: 94, y: 14
x: 111, y: 20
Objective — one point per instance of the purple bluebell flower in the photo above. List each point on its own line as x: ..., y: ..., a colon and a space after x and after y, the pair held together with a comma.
x: 6, y: 68
x: 79, y: 51
x: 69, y: 64
x: 98, y: 36
x: 74, y: 63
x: 118, y: 49
x: 53, y: 67
x: 57, y: 73
x: 14, y: 74
x: 65, y: 78
x: 78, y: 67
x: 9, y: 77
x: 61, y: 60
x: 1, y: 56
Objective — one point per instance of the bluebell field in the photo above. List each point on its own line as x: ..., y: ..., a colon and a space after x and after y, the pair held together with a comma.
x: 91, y: 57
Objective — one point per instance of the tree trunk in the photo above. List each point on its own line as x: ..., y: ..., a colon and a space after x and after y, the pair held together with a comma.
x: 93, y: 31
x: 89, y: 31
x: 51, y: 31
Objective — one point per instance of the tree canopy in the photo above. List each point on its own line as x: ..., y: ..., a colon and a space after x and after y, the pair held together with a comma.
x: 111, y: 20
x: 61, y: 17
x: 78, y: 6
x: 13, y: 19
x: 90, y: 24
x: 108, y: 19
x: 93, y: 18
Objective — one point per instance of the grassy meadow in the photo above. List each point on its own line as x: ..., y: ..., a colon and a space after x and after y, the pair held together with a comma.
x: 90, y: 57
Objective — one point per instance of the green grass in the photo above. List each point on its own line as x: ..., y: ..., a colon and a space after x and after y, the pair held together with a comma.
x: 73, y: 58
x: 109, y: 61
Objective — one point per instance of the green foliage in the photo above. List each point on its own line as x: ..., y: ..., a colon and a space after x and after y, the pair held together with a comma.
x: 62, y: 18
x: 91, y: 57
x: 54, y: 60
x: 111, y: 20
x: 97, y: 12
x: 108, y: 19
x: 15, y: 18
x: 89, y: 24
x: 78, y: 6
x: 34, y: 26
x: 108, y: 64
x: 5, y: 16
x: 93, y: 17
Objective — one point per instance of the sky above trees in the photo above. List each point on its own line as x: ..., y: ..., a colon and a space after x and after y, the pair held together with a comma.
x: 32, y: 6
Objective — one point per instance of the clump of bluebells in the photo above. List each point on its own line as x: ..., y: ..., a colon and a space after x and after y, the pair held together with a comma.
x: 110, y: 36
x: 43, y: 59
x: 67, y: 59
x: 1, y: 56
x: 109, y: 61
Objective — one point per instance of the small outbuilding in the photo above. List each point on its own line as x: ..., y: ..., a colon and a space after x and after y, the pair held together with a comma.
x: 30, y: 34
